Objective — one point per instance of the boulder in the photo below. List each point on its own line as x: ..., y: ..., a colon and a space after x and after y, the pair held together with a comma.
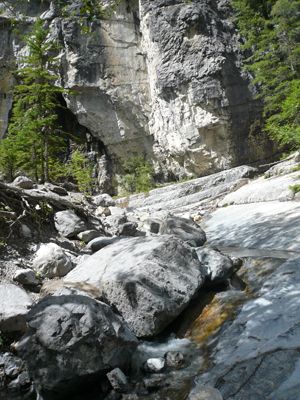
x: 127, y: 229
x: 23, y: 182
x: 112, y: 223
x: 216, y: 267
x: 72, y: 340
x: 87, y: 236
x: 104, y: 200
x: 174, y: 359
x: 149, y: 280
x: 118, y: 380
x: 154, y: 364
x: 68, y: 224
x: 14, y: 306
x: 51, y: 261
x: 185, y: 229
x: 101, y: 242
x: 26, y: 277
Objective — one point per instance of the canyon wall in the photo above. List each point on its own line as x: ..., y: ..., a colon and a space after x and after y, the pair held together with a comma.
x: 159, y: 78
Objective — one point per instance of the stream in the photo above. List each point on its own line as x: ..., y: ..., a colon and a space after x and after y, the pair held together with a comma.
x: 197, y: 330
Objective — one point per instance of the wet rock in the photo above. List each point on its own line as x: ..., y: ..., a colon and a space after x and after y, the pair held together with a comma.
x: 118, y: 380
x: 185, y: 229
x: 216, y: 267
x: 14, y: 306
x: 104, y: 200
x: 68, y: 224
x: 174, y: 359
x: 23, y: 182
x: 26, y: 277
x: 261, y: 345
x: 127, y: 229
x: 51, y: 261
x: 204, y: 393
x: 73, y: 339
x: 149, y: 280
x: 87, y: 236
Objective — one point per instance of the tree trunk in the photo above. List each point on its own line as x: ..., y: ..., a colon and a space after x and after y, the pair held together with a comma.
x: 47, y: 177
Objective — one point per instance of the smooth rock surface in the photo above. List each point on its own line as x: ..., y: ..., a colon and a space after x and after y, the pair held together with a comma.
x: 269, y: 225
x: 262, y: 189
x: 73, y: 338
x: 149, y: 280
x: 14, y: 306
x: 258, y: 354
x: 68, y: 223
x: 51, y: 287
x: 50, y: 261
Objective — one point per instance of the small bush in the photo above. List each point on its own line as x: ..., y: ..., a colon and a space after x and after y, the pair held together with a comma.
x: 296, y: 168
x: 295, y: 188
x: 138, y: 177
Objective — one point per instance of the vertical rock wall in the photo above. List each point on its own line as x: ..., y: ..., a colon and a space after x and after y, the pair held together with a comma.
x: 158, y: 78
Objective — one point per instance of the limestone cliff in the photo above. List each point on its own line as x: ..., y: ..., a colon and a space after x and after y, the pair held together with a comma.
x: 160, y: 78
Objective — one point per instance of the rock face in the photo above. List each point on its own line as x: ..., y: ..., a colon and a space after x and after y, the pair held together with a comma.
x: 149, y: 280
x: 163, y: 79
x: 71, y: 338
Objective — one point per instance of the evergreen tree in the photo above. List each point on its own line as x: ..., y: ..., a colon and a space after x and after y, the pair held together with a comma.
x: 33, y: 131
x: 272, y: 30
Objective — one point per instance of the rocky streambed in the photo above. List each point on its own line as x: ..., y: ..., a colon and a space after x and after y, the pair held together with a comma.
x: 154, y: 306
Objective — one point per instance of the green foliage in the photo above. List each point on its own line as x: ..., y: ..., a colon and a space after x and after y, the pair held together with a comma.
x: 295, y: 188
x: 85, y: 10
x: 138, y: 176
x: 272, y: 29
x: 296, y: 168
x: 81, y: 170
x: 34, y: 138
x: 1, y: 339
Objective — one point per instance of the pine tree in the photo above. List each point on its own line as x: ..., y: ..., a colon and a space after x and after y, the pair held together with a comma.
x: 33, y: 131
x: 272, y: 30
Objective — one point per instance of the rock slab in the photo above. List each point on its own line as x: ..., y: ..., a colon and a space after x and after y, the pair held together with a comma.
x: 150, y: 280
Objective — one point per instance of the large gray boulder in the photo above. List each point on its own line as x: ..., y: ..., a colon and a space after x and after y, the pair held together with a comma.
x: 68, y: 223
x: 73, y: 339
x: 14, y: 306
x: 104, y: 200
x: 149, y: 280
x: 185, y: 229
x: 217, y: 267
x: 51, y: 261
